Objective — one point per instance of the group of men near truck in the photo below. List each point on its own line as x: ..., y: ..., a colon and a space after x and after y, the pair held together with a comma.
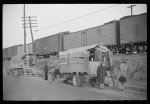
x: 103, y: 76
x: 105, y: 71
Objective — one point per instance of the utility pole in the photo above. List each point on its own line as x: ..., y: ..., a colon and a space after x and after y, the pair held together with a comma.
x: 24, y: 32
x: 33, y: 44
x: 131, y: 8
x: 30, y: 26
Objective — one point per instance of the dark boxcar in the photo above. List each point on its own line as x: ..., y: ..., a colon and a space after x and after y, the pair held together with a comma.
x: 21, y: 50
x: 14, y: 50
x: 29, y: 49
x: 40, y: 45
x: 4, y: 53
x: 73, y: 40
x: 50, y: 44
x: 133, y: 28
x: 108, y: 34
x: 7, y: 53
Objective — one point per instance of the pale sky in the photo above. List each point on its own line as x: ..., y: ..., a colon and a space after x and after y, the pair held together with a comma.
x: 48, y: 15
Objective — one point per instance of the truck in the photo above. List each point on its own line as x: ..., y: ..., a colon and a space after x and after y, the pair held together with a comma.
x: 80, y: 64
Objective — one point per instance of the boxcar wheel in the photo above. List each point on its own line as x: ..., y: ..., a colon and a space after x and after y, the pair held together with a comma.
x: 77, y: 81
x: 50, y: 77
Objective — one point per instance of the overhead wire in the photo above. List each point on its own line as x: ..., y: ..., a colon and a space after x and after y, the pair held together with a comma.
x: 51, y: 26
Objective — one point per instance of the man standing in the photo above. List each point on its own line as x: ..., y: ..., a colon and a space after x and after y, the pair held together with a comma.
x: 123, y: 68
x: 122, y: 75
x: 46, y: 71
x: 30, y: 61
x: 101, y: 70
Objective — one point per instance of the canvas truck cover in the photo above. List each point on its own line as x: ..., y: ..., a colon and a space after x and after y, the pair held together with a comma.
x: 83, y: 50
x: 75, y: 60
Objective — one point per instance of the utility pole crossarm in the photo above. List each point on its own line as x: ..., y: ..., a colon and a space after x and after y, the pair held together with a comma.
x: 131, y: 6
x: 30, y: 25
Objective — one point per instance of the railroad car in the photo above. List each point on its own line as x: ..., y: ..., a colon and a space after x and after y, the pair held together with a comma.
x: 128, y: 34
x: 49, y: 45
x: 7, y: 53
x: 29, y: 49
x: 133, y: 32
x: 108, y: 34
x: 14, y: 50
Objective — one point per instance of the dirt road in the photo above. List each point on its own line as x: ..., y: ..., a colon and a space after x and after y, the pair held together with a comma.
x: 29, y: 89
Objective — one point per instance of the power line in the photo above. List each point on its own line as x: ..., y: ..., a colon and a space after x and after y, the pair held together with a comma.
x: 79, y: 17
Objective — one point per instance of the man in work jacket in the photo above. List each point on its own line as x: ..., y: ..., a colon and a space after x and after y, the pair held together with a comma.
x: 46, y: 71
x: 101, y: 70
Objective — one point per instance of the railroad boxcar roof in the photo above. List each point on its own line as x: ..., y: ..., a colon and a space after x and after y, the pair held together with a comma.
x: 129, y: 16
x: 13, y: 46
x: 94, y: 27
x: 53, y: 35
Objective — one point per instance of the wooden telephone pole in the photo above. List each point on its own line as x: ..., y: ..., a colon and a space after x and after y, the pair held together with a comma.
x: 131, y: 8
x: 24, y: 31
x: 29, y: 19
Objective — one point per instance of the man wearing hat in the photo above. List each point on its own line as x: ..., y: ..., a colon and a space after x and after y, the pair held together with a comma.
x: 101, y: 70
x: 46, y: 71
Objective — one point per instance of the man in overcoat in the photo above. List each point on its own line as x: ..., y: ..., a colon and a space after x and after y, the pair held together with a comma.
x: 101, y: 71
x: 46, y: 70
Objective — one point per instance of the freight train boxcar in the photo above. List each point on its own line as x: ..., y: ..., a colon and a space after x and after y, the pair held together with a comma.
x: 50, y: 44
x: 133, y: 28
x: 28, y: 49
x: 108, y: 34
x: 14, y: 50
x: 7, y: 53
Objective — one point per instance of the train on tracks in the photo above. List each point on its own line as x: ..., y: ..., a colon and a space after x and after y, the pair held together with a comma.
x: 126, y: 35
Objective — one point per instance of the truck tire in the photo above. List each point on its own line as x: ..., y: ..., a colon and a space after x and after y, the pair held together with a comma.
x: 77, y: 81
x: 50, y: 77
